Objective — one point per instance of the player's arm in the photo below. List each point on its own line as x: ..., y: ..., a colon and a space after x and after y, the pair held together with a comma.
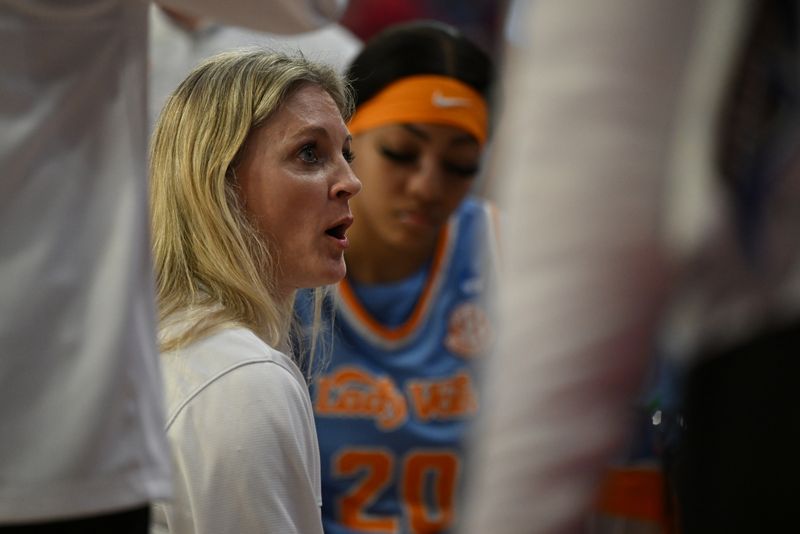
x: 583, y: 154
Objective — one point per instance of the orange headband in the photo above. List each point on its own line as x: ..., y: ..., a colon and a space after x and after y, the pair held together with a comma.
x: 426, y: 98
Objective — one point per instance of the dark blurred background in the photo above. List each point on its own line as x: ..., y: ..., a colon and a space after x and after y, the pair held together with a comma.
x: 481, y: 20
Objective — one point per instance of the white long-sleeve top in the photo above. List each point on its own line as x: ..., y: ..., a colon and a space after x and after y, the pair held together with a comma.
x: 604, y: 154
x: 81, y: 422
x: 244, y: 446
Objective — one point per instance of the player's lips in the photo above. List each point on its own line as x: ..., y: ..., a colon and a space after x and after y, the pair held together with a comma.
x: 338, y: 230
x: 419, y: 218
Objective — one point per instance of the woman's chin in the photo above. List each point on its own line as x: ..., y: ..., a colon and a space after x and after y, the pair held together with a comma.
x: 330, y: 275
x: 337, y: 274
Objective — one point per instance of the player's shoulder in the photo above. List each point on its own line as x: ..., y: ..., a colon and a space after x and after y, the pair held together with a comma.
x: 475, y: 222
x: 476, y: 213
x: 475, y: 206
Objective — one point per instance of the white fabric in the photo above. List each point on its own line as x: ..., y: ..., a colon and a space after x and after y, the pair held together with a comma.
x: 175, y: 51
x: 594, y: 111
x: 81, y: 422
x: 244, y: 445
x: 278, y: 16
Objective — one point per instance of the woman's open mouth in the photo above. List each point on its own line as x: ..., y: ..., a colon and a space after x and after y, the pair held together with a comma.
x: 339, y: 231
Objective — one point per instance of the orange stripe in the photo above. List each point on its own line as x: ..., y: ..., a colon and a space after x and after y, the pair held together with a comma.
x: 393, y: 334
x: 636, y: 493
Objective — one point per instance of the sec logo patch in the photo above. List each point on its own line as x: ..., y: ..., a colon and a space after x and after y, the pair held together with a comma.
x: 469, y: 331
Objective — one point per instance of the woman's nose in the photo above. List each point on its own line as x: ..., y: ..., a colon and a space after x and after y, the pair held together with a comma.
x: 347, y: 184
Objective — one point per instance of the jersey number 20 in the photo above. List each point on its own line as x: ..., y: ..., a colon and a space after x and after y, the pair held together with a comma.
x: 418, y: 468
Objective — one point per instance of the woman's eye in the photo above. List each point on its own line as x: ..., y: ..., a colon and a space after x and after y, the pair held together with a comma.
x: 308, y: 154
x: 348, y: 154
x: 397, y: 156
x: 462, y: 171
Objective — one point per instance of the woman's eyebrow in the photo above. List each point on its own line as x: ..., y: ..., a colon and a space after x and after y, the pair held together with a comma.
x: 317, y: 131
x: 460, y: 139
x: 311, y: 130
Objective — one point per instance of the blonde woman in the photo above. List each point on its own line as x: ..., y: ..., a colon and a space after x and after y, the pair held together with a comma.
x: 250, y: 183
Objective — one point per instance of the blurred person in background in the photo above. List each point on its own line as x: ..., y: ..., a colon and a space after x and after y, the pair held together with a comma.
x: 179, y: 42
x: 664, y: 138
x: 412, y: 318
x: 83, y: 447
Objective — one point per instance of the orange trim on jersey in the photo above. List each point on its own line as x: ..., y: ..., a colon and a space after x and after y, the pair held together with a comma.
x: 637, y: 493
x: 393, y: 334
x: 428, y: 99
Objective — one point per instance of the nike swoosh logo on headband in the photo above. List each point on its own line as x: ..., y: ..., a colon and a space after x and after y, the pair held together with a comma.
x: 441, y: 101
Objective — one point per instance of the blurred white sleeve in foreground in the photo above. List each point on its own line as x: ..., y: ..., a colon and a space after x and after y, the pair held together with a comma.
x: 582, y: 158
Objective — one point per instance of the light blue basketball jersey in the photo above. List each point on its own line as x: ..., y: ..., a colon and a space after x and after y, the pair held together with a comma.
x: 392, y: 406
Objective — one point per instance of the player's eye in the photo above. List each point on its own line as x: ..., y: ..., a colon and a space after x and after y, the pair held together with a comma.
x: 398, y: 156
x: 462, y: 171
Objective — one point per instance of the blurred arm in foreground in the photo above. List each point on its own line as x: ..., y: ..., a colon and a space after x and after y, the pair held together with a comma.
x: 585, y: 147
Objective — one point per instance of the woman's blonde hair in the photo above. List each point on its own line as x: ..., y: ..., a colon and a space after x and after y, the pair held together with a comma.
x: 212, y: 267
